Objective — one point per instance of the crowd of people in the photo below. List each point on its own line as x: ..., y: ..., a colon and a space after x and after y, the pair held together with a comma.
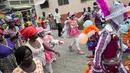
x: 27, y: 45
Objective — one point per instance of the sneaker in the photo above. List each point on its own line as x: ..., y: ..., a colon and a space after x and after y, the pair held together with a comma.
x: 81, y: 52
x: 71, y: 49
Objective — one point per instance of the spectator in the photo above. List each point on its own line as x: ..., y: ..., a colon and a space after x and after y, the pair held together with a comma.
x: 57, y: 18
x: 50, y: 18
x: 26, y: 62
x: 7, y: 58
x: 94, y: 6
x: 88, y: 13
x: 97, y: 16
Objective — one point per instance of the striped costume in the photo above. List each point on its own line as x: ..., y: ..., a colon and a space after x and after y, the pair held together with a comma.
x: 108, y: 52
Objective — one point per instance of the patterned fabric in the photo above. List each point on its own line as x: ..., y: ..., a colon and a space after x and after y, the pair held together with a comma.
x: 17, y: 41
x: 8, y: 64
x: 11, y: 33
x: 39, y: 68
x: 48, y: 55
x: 92, y: 44
x: 103, y: 43
x: 74, y: 31
x: 38, y: 52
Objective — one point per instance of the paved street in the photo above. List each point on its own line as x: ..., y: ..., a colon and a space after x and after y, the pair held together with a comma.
x: 69, y: 62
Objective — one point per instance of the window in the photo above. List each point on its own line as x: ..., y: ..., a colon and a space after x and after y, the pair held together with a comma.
x: 63, y: 2
x: 32, y: 1
x: 84, y: 0
x: 2, y: 1
x: 25, y: 2
x: 45, y: 4
x: 14, y: 2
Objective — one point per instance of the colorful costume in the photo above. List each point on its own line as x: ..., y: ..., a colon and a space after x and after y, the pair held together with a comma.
x: 14, y: 36
x: 73, y: 31
x: 93, y: 38
x: 109, y: 42
x: 7, y: 58
x: 109, y: 50
x: 126, y: 38
x: 127, y: 66
x: 50, y: 42
x: 126, y: 35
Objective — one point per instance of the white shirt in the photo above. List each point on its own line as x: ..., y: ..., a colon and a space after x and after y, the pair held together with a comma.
x: 57, y: 17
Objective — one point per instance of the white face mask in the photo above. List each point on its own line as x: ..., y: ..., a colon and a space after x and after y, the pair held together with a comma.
x: 109, y: 28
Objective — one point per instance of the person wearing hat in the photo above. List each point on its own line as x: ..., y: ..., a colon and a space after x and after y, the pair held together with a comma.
x: 73, y: 31
x: 26, y: 63
x: 7, y: 58
x: 110, y: 41
x: 36, y: 44
x: 50, y: 42
x: 13, y: 34
x: 109, y: 49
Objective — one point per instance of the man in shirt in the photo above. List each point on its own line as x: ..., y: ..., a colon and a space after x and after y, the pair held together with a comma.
x: 57, y: 18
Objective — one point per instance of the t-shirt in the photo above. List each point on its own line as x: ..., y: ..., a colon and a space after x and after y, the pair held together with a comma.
x: 39, y: 68
x: 57, y: 17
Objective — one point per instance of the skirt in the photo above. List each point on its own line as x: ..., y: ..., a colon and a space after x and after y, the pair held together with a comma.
x: 74, y: 31
x: 8, y: 64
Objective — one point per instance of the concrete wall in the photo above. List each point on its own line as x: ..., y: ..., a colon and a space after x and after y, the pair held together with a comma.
x: 73, y: 6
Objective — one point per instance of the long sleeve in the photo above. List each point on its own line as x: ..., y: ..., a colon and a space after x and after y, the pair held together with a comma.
x: 65, y: 26
x: 81, y: 18
x: 124, y: 47
x: 103, y: 42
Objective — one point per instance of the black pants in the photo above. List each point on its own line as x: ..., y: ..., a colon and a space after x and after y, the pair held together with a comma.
x: 59, y: 29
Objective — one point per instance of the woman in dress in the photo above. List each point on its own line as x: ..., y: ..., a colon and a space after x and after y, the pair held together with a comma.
x: 7, y: 58
x: 13, y: 34
x: 26, y: 62
x: 36, y: 44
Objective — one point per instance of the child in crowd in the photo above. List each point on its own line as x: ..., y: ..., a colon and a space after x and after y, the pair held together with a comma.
x: 71, y: 27
x: 50, y: 42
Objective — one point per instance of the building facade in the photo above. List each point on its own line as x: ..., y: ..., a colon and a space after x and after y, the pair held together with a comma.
x: 66, y: 6
x: 7, y: 5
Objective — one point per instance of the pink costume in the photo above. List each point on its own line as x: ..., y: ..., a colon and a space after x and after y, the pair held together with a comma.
x: 49, y: 55
x: 74, y: 31
x: 50, y: 42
